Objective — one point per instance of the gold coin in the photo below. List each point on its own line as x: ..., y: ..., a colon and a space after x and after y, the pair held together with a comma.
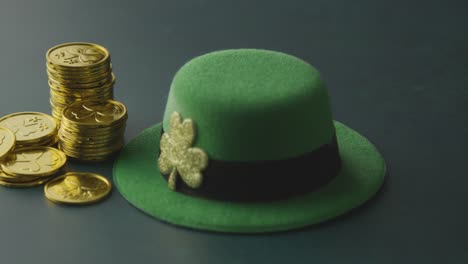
x: 91, y: 145
x: 59, y: 99
x: 95, y: 152
x: 30, y: 128
x: 97, y: 130
x: 91, y: 70
x: 61, y: 95
x: 89, y: 159
x: 57, y: 114
x: 95, y: 112
x: 77, y: 55
x: 81, y: 93
x: 34, y: 161
x: 77, y: 188
x: 75, y: 85
x: 24, y: 184
x: 15, y: 179
x: 7, y: 141
x: 86, y: 144
x: 82, y: 78
x: 63, y: 91
x: 50, y: 143
x: 78, y: 88
x: 79, y: 73
x: 91, y: 140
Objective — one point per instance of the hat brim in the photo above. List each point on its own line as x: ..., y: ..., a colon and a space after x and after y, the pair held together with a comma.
x: 138, y: 179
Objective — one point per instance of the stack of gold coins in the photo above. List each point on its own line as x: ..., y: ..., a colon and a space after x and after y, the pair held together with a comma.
x: 31, y: 128
x: 31, y: 166
x: 92, y: 130
x: 78, y: 71
x: 25, y: 158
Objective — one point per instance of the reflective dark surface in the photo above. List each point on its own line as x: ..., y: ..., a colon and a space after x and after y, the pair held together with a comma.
x: 396, y: 72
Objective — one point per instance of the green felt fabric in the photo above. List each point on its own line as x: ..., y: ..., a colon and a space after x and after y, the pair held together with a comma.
x: 137, y: 177
x: 236, y: 98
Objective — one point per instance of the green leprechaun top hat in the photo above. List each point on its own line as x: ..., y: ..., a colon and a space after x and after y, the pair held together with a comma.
x: 248, y: 144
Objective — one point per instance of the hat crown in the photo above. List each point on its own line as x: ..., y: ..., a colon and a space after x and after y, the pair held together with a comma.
x: 251, y: 105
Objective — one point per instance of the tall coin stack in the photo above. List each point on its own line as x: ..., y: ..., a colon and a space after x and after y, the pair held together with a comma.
x: 92, y: 130
x: 78, y: 71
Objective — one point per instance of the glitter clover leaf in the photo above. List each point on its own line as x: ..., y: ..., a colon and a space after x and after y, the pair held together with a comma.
x: 178, y: 157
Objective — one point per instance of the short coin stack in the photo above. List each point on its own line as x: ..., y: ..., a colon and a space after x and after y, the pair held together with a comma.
x: 25, y: 158
x: 78, y: 71
x: 92, y: 130
x: 31, y: 166
x: 31, y: 128
x: 27, y: 161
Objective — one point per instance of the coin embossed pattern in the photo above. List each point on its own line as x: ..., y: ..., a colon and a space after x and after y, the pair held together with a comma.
x: 77, y: 188
x: 34, y: 162
x: 76, y: 55
x: 31, y: 166
x: 78, y: 71
x: 7, y: 141
x: 92, y: 130
x: 31, y: 128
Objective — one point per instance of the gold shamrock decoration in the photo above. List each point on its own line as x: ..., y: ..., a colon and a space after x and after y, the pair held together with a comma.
x: 177, y: 155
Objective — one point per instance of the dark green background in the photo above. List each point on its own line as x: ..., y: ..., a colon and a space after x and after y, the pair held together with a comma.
x: 396, y: 70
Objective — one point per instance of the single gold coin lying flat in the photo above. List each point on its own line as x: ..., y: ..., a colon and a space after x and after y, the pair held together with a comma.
x: 7, y: 141
x: 34, y: 161
x: 30, y: 128
x: 77, y: 55
x: 95, y: 112
x: 77, y: 188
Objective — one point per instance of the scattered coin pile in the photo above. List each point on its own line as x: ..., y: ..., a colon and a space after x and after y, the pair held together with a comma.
x: 78, y: 71
x: 91, y: 125
x: 92, y: 130
x: 31, y: 166
x: 27, y: 161
x: 31, y: 129
x: 25, y: 156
